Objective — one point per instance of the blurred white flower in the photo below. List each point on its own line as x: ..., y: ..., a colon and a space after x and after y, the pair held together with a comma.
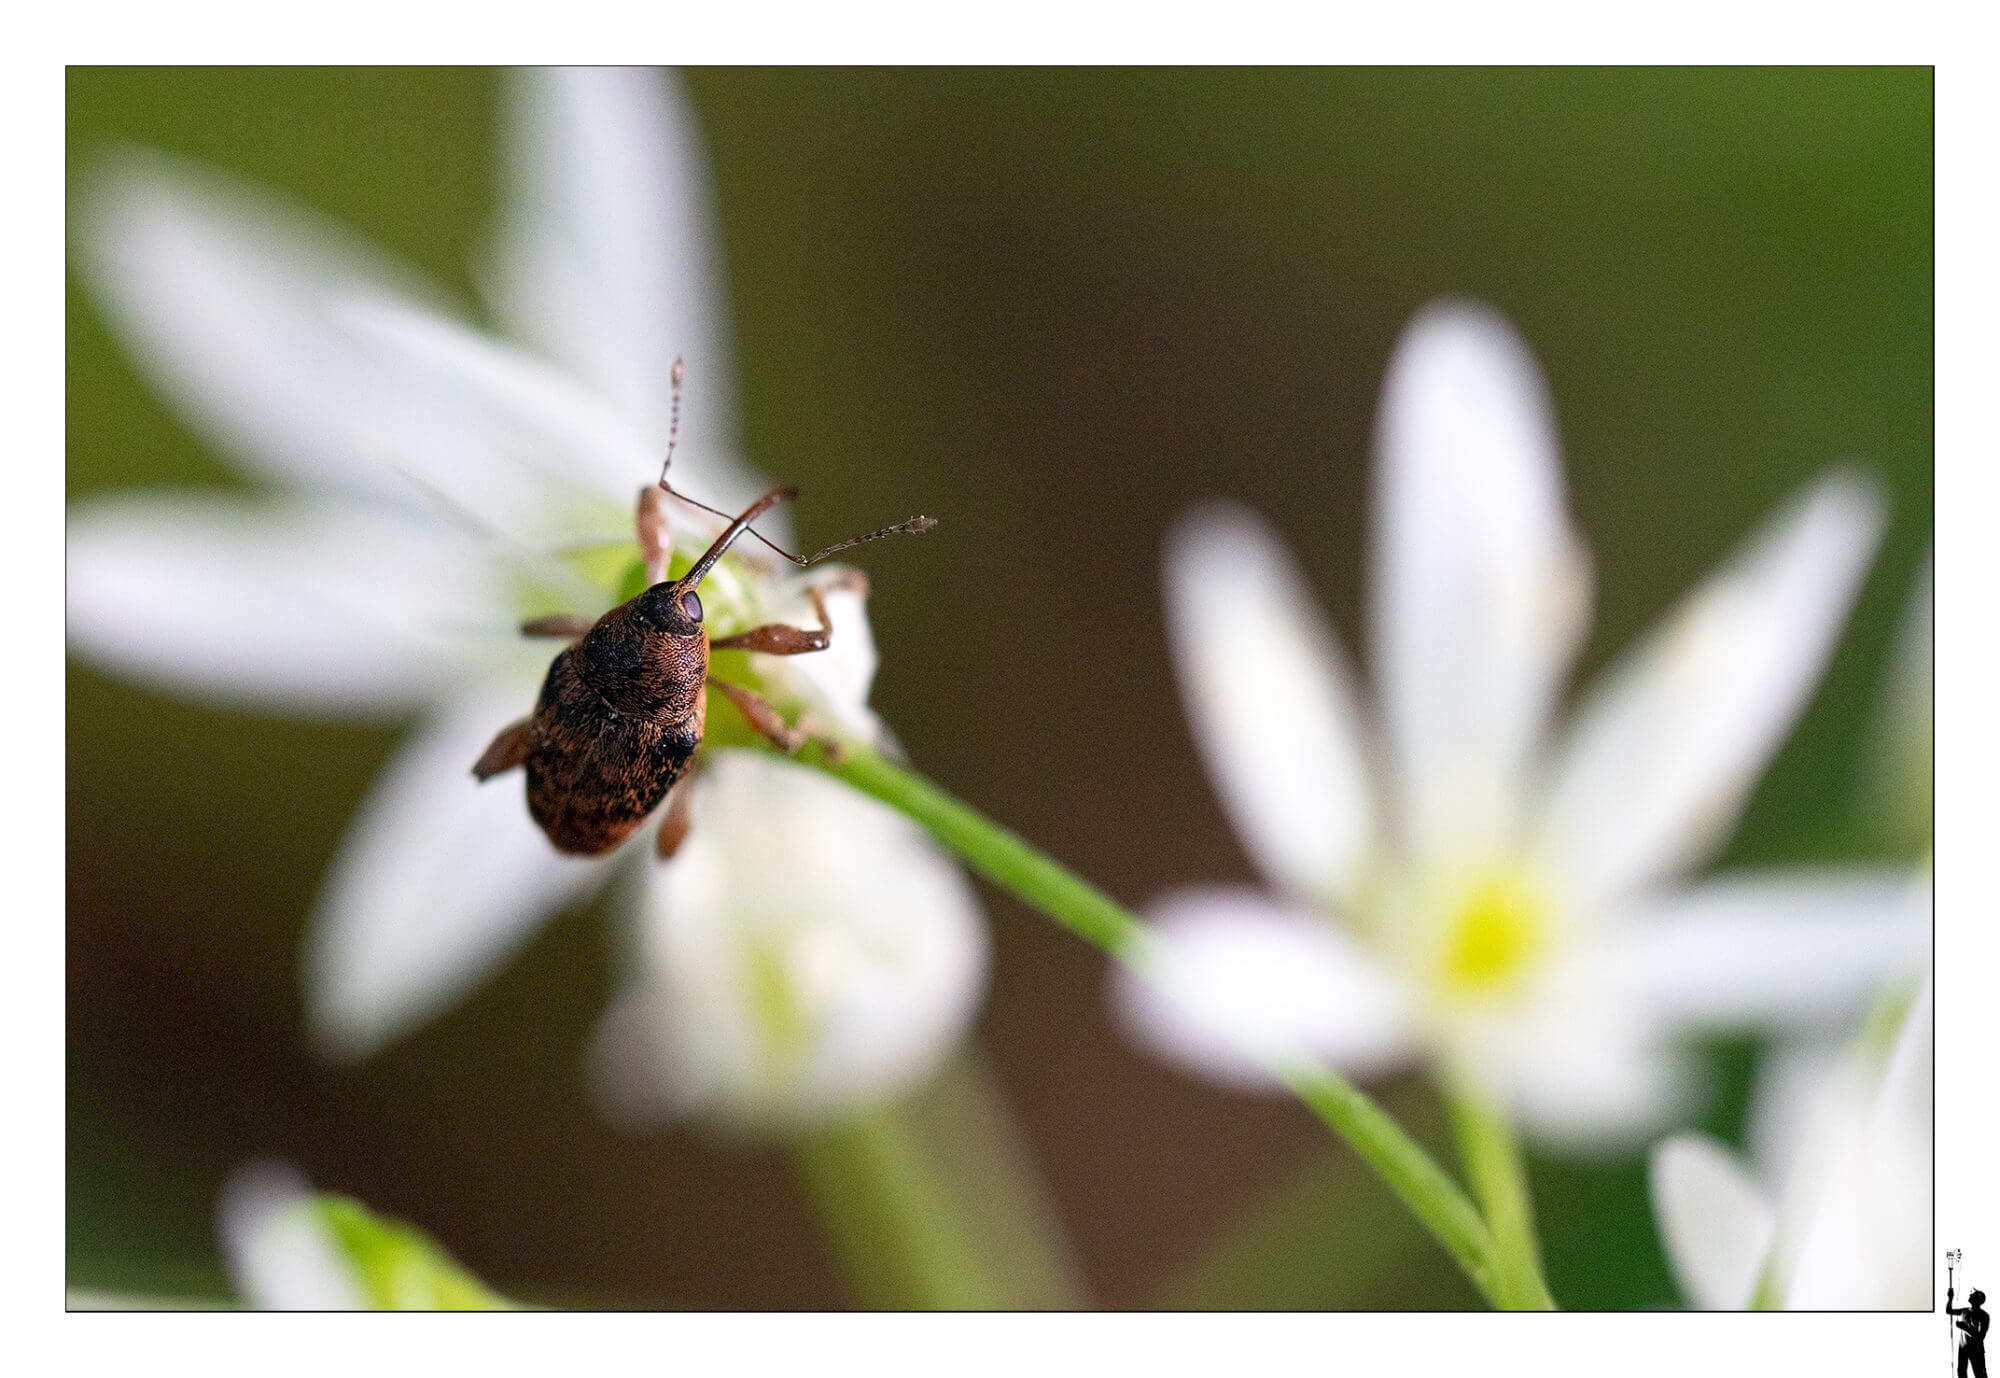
x: 1464, y: 887
x: 779, y: 994
x: 288, y: 1248
x: 280, y: 1252
x: 1836, y: 1215
x: 434, y: 485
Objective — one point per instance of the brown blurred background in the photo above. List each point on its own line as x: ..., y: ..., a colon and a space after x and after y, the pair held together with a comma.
x: 1053, y: 308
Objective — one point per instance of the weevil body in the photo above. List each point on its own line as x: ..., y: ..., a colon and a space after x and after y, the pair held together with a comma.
x: 619, y: 717
x: 623, y: 707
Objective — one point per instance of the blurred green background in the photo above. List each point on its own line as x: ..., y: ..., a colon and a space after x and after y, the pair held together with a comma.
x: 1053, y: 308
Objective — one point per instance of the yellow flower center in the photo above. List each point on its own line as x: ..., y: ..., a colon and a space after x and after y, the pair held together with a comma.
x: 1498, y: 928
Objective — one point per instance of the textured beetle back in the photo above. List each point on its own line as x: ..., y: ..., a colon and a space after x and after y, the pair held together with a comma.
x: 594, y: 773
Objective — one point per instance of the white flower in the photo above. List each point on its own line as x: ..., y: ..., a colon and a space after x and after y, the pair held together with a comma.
x: 1455, y: 880
x: 769, y: 993
x: 280, y: 1254
x: 432, y: 485
x: 1847, y: 1141
x: 289, y: 1249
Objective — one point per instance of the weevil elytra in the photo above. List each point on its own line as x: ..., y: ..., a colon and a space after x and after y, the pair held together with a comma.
x: 624, y: 704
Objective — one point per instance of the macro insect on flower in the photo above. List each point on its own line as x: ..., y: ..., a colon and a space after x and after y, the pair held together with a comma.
x: 424, y: 485
x: 623, y: 708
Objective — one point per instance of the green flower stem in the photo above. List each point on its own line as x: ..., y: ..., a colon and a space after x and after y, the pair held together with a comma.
x: 1500, y: 1180
x: 1013, y: 865
x: 933, y: 1203
x: 1293, y: 1248
x: 1411, y: 1173
x: 984, y: 1158
x: 890, y: 1218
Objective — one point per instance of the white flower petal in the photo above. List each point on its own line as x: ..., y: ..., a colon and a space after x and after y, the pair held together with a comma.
x: 279, y: 1252
x: 439, y: 880
x: 221, y: 295
x: 1897, y: 1180
x: 1892, y: 1183
x: 1834, y: 1110
x: 1774, y: 949
x: 606, y: 253
x: 1783, y: 1095
x: 1840, y: 1265
x: 1867, y: 1242
x: 1664, y: 752
x: 1906, y: 1092
x: 1716, y: 1223
x: 1235, y: 982
x: 1268, y: 700
x: 1481, y: 590
x: 833, y: 684
x: 807, y: 951
x: 1582, y: 1071
x: 548, y: 424
x: 606, y: 262
x: 322, y: 608
x: 1855, y: 1219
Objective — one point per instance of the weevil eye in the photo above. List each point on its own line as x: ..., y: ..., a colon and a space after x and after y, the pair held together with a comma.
x: 691, y: 605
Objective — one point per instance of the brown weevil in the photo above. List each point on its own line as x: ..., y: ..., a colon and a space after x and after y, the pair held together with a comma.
x: 624, y: 704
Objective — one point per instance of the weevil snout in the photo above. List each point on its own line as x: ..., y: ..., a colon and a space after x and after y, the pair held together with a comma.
x: 675, y: 605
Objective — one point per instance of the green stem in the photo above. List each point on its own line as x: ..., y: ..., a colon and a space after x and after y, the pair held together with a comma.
x: 983, y: 1156
x: 1500, y: 1180
x: 890, y: 1218
x: 1009, y: 862
x: 1293, y: 1249
x: 932, y: 1202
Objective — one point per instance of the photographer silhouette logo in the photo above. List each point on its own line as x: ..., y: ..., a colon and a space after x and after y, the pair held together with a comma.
x: 1968, y: 1322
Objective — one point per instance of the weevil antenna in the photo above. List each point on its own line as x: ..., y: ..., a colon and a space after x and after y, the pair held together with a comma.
x: 736, y: 527
x: 914, y: 526
x: 676, y: 377
x: 740, y: 524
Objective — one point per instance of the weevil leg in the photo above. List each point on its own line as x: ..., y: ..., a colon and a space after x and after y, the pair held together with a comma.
x: 656, y: 538
x: 561, y: 624
x: 782, y: 639
x: 674, y: 822
x: 508, y: 750
x: 835, y: 748
x: 761, y: 715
